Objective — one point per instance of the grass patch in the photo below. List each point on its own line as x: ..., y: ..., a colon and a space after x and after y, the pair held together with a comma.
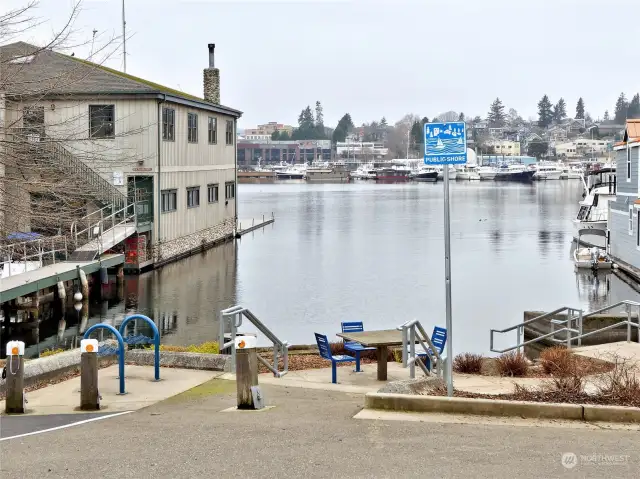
x: 213, y: 387
x: 51, y: 352
x: 209, y: 347
x: 468, y: 363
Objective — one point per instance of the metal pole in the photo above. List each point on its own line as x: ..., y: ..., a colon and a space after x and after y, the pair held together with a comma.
x: 124, y: 41
x: 447, y: 280
x: 628, y: 322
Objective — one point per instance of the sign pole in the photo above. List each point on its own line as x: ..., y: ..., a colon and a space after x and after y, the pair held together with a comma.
x: 445, y: 143
x: 447, y: 280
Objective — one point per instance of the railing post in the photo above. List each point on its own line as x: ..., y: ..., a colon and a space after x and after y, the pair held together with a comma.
x: 275, y: 358
x: 412, y: 351
x: 579, y: 327
x: 518, y: 329
x: 405, y: 346
x: 628, y: 323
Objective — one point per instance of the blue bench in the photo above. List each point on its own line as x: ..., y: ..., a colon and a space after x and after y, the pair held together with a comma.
x: 325, y: 352
x: 357, y: 348
x: 438, y: 339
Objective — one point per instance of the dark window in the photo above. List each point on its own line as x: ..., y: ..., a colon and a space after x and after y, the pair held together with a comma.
x: 212, y: 193
x: 192, y: 128
x: 628, y: 161
x: 168, y: 123
x: 101, y: 121
x: 229, y: 190
x: 638, y: 228
x: 213, y: 130
x: 193, y: 197
x: 229, y: 132
x: 169, y: 200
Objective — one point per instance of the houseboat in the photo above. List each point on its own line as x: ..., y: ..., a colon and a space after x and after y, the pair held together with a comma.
x: 547, y: 171
x: 593, y: 214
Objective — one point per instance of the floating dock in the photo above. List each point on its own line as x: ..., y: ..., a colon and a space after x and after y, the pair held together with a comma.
x: 256, y: 174
x: 24, y: 284
x: 250, y: 224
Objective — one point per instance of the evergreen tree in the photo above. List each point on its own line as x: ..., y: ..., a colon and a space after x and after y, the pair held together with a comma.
x: 345, y: 125
x: 545, y: 115
x: 496, y: 116
x: 620, y: 112
x: 275, y: 136
x: 319, y: 121
x: 416, y: 134
x: 560, y: 110
x: 284, y: 136
x: 634, y: 107
x: 461, y: 117
x: 383, y: 122
x: 580, y: 108
x: 606, y: 115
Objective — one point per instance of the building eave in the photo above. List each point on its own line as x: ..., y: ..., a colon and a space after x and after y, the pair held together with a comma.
x: 623, y: 146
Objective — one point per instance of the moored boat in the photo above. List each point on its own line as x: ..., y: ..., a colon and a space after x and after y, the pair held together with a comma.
x: 519, y: 173
x: 425, y: 173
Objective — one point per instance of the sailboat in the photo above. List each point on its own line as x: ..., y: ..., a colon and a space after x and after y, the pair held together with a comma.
x: 459, y: 141
x: 439, y: 145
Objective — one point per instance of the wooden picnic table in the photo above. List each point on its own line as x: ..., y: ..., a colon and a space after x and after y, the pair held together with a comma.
x: 381, y: 340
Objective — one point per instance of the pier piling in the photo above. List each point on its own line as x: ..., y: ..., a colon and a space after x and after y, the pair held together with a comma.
x: 15, y: 400
x: 89, y: 395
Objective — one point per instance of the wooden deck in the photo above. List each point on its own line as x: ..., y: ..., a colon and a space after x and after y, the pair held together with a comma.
x: 250, y: 224
x: 47, y: 276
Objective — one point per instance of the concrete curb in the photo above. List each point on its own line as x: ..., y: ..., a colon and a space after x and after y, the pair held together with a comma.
x: 499, y: 407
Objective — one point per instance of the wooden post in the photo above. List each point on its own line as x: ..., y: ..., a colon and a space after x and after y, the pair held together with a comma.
x: 89, y: 395
x: 14, y: 403
x: 246, y: 374
x: 382, y: 363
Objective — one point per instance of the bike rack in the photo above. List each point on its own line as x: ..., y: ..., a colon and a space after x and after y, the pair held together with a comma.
x: 120, y: 348
x: 156, y: 338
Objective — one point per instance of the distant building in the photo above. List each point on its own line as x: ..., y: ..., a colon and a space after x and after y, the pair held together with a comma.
x: 252, y: 152
x: 266, y: 130
x: 584, y: 147
x: 505, y: 147
x: 361, y: 151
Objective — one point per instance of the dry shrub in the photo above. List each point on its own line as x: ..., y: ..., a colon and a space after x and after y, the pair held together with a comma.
x: 619, y: 386
x: 337, y: 348
x: 468, y: 363
x: 512, y: 364
x: 558, y: 361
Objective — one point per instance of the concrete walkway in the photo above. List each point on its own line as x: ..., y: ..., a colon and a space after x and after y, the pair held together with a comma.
x: 309, y: 433
x: 608, y: 352
x: 364, y: 382
x: 142, y: 390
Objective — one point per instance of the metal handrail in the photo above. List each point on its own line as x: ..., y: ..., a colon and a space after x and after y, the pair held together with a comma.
x: 233, y: 316
x: 568, y: 329
x: 111, y: 221
x: 409, y: 356
x: 40, y: 248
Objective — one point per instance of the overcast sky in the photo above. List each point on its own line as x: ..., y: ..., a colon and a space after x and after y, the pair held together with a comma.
x: 374, y: 58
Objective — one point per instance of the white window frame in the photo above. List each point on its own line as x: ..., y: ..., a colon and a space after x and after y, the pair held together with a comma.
x: 169, y: 194
x: 628, y: 163
x: 193, y: 196
x: 213, y: 193
x: 630, y: 220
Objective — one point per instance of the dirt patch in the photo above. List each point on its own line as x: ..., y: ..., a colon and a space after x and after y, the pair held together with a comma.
x: 586, y: 366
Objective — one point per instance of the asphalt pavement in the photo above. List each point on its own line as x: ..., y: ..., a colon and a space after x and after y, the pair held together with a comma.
x: 310, y: 433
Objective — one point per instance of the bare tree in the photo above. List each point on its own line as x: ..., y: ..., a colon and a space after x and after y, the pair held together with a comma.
x: 53, y: 172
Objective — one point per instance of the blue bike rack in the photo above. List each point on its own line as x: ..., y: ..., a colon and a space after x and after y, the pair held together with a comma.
x: 120, y: 348
x: 156, y: 338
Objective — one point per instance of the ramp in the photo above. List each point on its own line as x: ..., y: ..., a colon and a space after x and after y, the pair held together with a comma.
x: 103, y: 242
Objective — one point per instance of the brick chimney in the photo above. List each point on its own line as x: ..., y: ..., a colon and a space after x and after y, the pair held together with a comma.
x: 212, y: 78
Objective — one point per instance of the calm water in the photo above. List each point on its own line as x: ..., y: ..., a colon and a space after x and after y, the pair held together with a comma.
x: 374, y: 253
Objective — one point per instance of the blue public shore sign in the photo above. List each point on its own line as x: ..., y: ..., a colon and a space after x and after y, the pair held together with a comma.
x: 445, y: 143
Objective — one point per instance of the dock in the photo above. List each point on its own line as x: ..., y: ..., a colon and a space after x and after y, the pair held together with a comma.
x: 248, y: 225
x: 24, y: 284
x: 256, y: 174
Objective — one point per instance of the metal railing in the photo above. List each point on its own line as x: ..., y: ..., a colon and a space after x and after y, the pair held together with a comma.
x: 233, y: 317
x: 570, y: 329
x: 413, y: 333
x: 41, y: 251
x: 95, y: 224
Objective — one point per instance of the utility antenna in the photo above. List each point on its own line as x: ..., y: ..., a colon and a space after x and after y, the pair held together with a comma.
x: 124, y: 39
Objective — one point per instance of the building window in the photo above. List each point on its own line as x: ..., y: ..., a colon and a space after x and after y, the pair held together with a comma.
x: 213, y: 130
x: 229, y: 190
x: 212, y: 193
x: 192, y: 128
x: 628, y: 162
x: 169, y: 200
x: 193, y: 197
x: 168, y: 123
x: 630, y: 220
x: 229, y: 132
x: 101, y: 121
x: 638, y: 228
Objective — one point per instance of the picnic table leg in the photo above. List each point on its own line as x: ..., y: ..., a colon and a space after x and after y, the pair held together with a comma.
x: 382, y: 363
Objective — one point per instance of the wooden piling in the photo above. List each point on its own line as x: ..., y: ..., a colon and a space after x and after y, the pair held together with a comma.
x: 89, y: 396
x: 246, y: 376
x: 14, y: 403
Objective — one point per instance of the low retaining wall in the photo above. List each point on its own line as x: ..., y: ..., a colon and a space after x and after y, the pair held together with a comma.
x: 591, y: 323
x: 498, y: 407
x: 51, y: 367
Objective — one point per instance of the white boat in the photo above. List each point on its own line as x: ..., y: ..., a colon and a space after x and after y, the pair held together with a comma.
x: 364, y: 172
x: 593, y: 257
x: 593, y: 214
x: 547, y: 171
x: 487, y: 172
x: 469, y: 173
x: 293, y: 172
x: 572, y: 171
x: 453, y: 173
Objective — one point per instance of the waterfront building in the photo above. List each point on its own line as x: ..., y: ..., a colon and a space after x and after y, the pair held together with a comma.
x: 122, y: 141
x: 361, y: 151
x: 585, y: 148
x: 252, y: 152
x: 505, y: 147
x: 624, y: 212
x: 267, y: 129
